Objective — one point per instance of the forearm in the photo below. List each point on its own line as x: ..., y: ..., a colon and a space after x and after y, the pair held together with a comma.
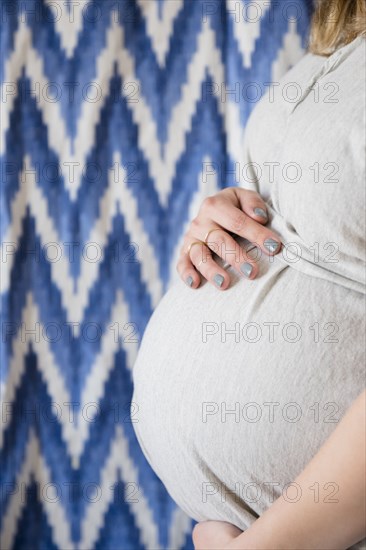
x: 308, y: 524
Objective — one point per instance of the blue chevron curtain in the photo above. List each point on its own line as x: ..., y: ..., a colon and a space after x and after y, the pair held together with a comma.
x: 117, y: 118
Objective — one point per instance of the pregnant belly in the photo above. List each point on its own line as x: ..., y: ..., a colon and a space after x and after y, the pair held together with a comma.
x: 237, y: 390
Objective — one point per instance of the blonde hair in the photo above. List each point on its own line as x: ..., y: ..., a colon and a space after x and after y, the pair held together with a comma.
x: 336, y: 23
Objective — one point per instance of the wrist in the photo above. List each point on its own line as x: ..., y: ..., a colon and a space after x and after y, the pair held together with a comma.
x: 264, y: 536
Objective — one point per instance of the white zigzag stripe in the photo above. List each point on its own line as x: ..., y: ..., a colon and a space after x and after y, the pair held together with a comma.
x: 162, y: 169
x: 207, y: 185
x: 47, y: 365
x: 69, y: 24
x: 206, y: 58
x: 160, y: 30
x: 247, y: 32
x: 291, y: 52
x: 180, y: 526
x: 36, y: 465
x: 90, y: 112
x: 119, y: 459
x: 74, y: 433
x: 117, y: 196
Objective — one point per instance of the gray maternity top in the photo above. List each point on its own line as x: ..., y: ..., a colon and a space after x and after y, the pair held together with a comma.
x: 238, y: 390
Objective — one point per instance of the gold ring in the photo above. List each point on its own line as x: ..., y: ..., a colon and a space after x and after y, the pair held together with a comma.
x: 211, y: 231
x: 192, y: 245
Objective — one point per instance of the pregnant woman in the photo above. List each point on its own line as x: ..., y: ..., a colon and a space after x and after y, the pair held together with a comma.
x: 250, y: 378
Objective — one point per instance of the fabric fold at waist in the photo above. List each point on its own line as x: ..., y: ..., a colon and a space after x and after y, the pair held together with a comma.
x: 346, y: 271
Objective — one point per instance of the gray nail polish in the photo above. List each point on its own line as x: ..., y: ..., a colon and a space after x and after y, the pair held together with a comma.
x: 271, y: 245
x: 219, y: 279
x: 189, y: 281
x: 246, y: 269
x: 261, y: 213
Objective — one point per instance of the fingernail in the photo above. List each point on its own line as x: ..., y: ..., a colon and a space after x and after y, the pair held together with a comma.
x: 261, y: 213
x: 189, y: 281
x: 271, y: 245
x: 246, y: 269
x: 219, y: 279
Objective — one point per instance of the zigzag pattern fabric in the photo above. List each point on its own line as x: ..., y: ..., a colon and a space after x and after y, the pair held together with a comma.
x: 117, y: 118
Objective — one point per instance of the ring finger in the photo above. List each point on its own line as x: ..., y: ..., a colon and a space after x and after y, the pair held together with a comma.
x: 223, y: 244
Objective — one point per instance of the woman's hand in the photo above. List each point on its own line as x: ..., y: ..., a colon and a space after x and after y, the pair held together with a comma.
x: 232, y: 210
x: 214, y: 535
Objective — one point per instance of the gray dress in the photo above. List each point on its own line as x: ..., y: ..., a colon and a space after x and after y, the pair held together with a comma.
x: 237, y: 390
